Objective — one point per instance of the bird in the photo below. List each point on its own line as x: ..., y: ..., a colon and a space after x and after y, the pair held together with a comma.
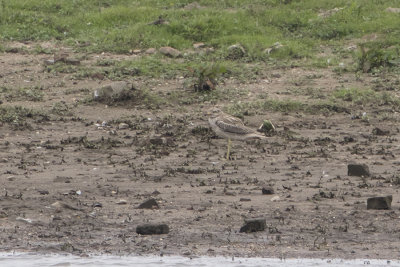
x: 229, y: 127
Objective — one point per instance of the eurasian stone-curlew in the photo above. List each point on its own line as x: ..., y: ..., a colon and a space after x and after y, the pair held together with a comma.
x: 230, y: 127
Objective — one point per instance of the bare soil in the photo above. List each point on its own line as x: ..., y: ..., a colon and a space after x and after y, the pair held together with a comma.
x: 71, y: 183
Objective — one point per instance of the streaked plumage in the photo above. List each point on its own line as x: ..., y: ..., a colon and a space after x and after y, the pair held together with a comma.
x: 230, y: 127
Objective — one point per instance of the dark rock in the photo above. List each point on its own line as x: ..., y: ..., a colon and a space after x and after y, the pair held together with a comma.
x: 43, y: 192
x: 358, y: 170
x: 379, y: 203
x: 244, y: 199
x: 169, y: 51
x: 267, y: 191
x: 97, y: 205
x: 152, y: 229
x: 156, y: 192
x: 157, y: 141
x: 149, y: 204
x: 253, y: 225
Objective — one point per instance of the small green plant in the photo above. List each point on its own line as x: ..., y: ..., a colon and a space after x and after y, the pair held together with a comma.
x: 370, y: 59
x: 206, y: 76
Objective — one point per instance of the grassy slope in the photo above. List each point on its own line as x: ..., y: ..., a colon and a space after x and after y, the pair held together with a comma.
x: 121, y: 25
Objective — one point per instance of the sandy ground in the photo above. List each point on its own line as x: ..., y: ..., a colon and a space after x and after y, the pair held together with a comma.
x: 72, y: 183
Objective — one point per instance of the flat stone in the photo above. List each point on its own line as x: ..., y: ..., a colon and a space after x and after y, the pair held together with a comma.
x: 152, y: 229
x: 379, y: 203
x: 198, y: 45
x: 253, y: 225
x: 267, y: 191
x: 393, y: 9
x: 122, y: 202
x: 169, y: 51
x: 123, y: 125
x: 149, y: 204
x: 358, y: 170
x: 150, y: 51
x: 116, y: 91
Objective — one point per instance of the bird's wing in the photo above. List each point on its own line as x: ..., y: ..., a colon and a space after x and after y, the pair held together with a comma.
x: 231, y: 124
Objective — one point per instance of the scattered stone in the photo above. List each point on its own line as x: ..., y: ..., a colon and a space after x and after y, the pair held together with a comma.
x: 169, y: 51
x: 393, y: 9
x: 348, y: 139
x: 136, y: 51
x: 149, y: 204
x: 253, y: 225
x: 151, y: 51
x: 26, y: 220
x: 123, y: 126
x: 379, y: 203
x: 152, y: 229
x: 97, y: 205
x: 358, y: 170
x: 48, y: 62
x: 236, y: 51
x: 122, y: 202
x: 158, y: 141
x: 156, y: 192
x: 43, y: 192
x: 275, y: 198
x: 245, y: 199
x: 267, y: 191
x: 114, y: 92
x: 198, y: 45
x: 379, y: 131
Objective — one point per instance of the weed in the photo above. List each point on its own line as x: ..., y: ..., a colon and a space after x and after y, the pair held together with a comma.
x: 61, y: 109
x: 374, y: 58
x: 206, y: 76
x: 17, y: 116
x: 366, y: 96
x: 34, y: 93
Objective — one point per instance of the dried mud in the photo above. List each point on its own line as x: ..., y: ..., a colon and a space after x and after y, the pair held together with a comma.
x: 71, y: 183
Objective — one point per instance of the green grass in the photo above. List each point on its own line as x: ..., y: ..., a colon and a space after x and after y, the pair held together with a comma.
x: 34, y: 93
x: 121, y: 25
x: 17, y: 116
x: 342, y: 100
x: 285, y: 106
x: 359, y: 96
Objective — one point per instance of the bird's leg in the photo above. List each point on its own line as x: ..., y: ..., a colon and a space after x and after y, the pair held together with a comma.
x: 228, y: 152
